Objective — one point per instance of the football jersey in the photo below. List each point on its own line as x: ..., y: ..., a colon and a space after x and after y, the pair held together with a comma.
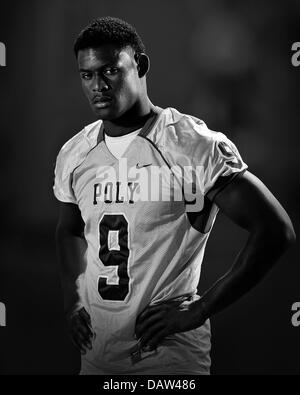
x: 147, y: 219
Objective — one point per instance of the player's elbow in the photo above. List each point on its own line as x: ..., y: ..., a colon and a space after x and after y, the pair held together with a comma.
x: 282, y: 234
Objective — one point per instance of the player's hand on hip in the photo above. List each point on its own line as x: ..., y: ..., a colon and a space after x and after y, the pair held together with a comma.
x: 80, y: 329
x: 159, y: 321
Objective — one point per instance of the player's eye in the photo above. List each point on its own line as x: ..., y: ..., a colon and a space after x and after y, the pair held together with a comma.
x: 110, y: 71
x: 86, y: 76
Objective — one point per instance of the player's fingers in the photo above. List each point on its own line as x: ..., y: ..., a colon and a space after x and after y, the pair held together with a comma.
x: 80, y: 321
x: 157, y: 339
x: 143, y: 325
x: 86, y: 339
x: 85, y: 327
x: 148, y: 311
x: 81, y: 339
x: 149, y: 314
x: 77, y: 343
x: 161, y: 307
x: 152, y: 333
x: 84, y: 315
x: 78, y: 326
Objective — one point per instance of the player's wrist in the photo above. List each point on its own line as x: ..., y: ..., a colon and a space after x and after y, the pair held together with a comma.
x: 201, y: 311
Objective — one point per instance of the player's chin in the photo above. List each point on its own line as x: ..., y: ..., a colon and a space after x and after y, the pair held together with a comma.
x: 107, y: 113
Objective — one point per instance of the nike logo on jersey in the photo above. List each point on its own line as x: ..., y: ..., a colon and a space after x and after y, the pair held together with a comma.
x: 138, y: 166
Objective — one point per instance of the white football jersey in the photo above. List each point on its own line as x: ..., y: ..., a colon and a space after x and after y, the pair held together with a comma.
x: 147, y: 220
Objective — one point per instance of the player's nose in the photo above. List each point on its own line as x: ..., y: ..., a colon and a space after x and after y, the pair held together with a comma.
x: 100, y: 85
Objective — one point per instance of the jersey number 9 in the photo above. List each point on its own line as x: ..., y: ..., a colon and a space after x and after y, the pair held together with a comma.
x: 114, y: 251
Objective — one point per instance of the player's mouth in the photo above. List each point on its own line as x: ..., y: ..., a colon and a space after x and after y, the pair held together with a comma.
x: 102, y: 101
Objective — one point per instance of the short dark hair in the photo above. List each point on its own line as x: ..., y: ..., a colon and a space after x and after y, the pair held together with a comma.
x: 109, y: 30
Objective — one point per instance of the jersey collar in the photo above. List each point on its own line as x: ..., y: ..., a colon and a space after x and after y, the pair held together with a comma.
x: 156, y: 111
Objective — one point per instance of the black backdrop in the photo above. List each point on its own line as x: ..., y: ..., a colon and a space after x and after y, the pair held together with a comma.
x: 227, y: 62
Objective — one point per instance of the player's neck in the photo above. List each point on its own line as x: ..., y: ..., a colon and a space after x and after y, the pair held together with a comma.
x: 132, y: 120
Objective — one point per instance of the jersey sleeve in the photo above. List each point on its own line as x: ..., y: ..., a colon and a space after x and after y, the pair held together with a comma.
x: 223, y: 164
x: 62, y: 187
x: 71, y: 155
x: 203, y: 159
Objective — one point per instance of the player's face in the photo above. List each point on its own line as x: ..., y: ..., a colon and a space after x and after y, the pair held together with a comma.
x: 109, y: 79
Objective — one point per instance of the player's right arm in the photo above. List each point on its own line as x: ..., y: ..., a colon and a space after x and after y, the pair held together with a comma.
x: 71, y: 247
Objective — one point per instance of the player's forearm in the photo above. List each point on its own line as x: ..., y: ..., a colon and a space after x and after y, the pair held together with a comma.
x: 254, y: 261
x: 70, y: 251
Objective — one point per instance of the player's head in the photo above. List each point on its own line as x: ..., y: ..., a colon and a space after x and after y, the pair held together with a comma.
x: 113, y: 65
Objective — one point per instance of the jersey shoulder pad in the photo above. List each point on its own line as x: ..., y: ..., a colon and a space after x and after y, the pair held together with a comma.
x: 71, y: 155
x: 186, y: 136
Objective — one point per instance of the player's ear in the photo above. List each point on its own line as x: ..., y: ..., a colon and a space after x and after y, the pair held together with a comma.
x: 143, y: 63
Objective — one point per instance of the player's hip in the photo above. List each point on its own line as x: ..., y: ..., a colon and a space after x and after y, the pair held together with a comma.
x: 182, y: 353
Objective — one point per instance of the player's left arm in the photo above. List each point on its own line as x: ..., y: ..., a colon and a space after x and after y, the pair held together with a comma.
x: 248, y: 203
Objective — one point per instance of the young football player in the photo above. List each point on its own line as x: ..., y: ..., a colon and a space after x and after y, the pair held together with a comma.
x: 139, y: 191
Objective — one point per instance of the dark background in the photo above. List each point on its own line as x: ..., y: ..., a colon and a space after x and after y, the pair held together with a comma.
x: 227, y: 62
